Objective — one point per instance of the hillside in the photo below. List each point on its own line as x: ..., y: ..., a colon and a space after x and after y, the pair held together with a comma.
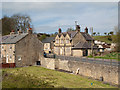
x: 108, y: 39
x: 38, y: 77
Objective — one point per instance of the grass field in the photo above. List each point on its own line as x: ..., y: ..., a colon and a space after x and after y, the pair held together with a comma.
x: 106, y: 39
x: 113, y: 55
x: 39, y: 77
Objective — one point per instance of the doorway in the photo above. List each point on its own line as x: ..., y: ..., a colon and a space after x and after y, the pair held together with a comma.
x: 85, y: 52
x: 38, y: 63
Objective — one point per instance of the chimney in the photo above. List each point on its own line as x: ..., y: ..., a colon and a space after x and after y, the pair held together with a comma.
x: 59, y: 30
x: 77, y: 28
x: 12, y: 32
x: 19, y: 32
x: 86, y: 30
x: 29, y: 31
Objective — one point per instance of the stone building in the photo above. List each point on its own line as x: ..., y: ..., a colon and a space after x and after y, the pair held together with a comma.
x: 74, y: 43
x: 48, y: 44
x: 21, y: 49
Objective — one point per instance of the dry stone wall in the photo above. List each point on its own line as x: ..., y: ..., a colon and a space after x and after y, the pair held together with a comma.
x: 108, y: 73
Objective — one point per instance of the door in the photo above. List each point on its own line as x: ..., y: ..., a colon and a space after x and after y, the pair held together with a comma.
x: 38, y: 63
x: 85, y: 52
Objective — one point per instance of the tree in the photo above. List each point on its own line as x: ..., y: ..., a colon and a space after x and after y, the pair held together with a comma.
x: 70, y: 29
x: 94, y: 33
x: 22, y: 22
x: 98, y: 33
x: 56, y: 33
x: 111, y: 32
x: 15, y: 22
x: 116, y: 38
x: 105, y: 33
x: 42, y: 37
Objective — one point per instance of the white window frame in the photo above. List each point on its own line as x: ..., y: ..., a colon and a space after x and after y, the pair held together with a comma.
x: 19, y: 58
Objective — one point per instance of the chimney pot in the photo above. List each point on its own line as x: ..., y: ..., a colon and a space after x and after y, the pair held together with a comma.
x: 78, y: 28
x: 19, y: 31
x: 12, y: 32
x: 59, y: 30
x: 30, y: 31
x: 86, y: 30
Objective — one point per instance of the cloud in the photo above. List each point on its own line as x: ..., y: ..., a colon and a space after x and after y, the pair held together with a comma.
x: 60, y: 0
x: 47, y: 17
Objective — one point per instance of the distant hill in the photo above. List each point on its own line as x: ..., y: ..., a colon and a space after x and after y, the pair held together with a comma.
x: 108, y: 39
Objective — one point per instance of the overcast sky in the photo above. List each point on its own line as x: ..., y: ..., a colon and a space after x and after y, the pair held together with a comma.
x: 49, y: 16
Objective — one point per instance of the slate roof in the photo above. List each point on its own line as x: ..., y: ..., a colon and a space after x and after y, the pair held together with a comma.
x: 48, y: 40
x: 12, y: 39
x: 73, y: 33
x: 83, y: 45
x: 87, y: 36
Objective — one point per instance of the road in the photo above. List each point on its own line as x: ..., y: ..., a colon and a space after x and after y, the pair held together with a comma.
x: 90, y: 60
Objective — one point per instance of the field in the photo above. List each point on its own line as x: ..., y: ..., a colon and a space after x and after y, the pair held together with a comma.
x: 113, y: 55
x: 108, y: 39
x: 39, y: 77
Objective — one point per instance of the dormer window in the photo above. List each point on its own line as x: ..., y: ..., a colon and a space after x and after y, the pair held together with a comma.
x: 67, y: 41
x: 62, y: 41
x: 57, y: 41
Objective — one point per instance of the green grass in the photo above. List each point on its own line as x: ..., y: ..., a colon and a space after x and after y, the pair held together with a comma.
x: 113, y: 55
x: 104, y: 39
x: 39, y: 77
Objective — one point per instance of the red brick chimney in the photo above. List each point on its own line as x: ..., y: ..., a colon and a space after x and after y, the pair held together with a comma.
x: 86, y: 30
x: 29, y: 31
x: 59, y: 30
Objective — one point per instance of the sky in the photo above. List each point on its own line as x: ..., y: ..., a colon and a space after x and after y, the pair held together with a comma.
x: 47, y: 17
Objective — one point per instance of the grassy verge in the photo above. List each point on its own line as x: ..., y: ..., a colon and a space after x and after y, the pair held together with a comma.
x: 113, y: 55
x: 38, y: 77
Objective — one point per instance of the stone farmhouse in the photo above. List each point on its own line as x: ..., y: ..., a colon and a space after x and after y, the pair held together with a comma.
x: 21, y: 49
x: 48, y: 44
x: 74, y: 43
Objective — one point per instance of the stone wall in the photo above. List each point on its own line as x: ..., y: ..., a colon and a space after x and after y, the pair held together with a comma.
x: 77, y: 53
x: 29, y: 49
x: 7, y: 53
x: 48, y: 63
x: 109, y: 73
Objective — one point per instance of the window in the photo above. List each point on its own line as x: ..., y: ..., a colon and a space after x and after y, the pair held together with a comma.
x: 62, y: 41
x: 19, y: 58
x: 56, y: 49
x: 1, y: 56
x: 2, y: 47
x: 67, y: 41
x: 10, y: 57
x: 10, y: 47
x: 67, y: 49
x: 57, y: 41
